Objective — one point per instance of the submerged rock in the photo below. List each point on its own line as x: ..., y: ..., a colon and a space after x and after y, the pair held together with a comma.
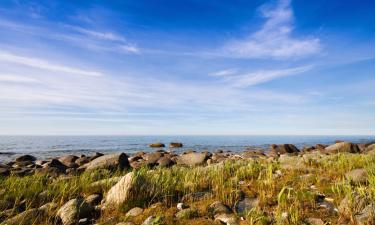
x: 175, y: 145
x: 157, y: 145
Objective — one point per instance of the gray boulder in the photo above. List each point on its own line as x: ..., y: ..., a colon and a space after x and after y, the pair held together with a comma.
x: 246, y: 205
x: 218, y: 208
x: 111, y: 161
x: 120, y: 192
x: 357, y: 176
x: 136, y: 211
x: 342, y: 147
x: 192, y: 159
x: 74, y: 210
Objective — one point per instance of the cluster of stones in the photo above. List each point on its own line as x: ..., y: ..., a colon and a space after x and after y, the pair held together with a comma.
x: 87, y: 210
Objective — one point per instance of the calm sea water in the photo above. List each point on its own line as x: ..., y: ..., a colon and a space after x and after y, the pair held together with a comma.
x: 51, y: 146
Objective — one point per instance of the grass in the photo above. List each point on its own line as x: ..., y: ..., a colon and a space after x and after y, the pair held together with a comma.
x: 284, y: 199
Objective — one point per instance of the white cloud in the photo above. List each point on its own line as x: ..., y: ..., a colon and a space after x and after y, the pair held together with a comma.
x: 274, y: 39
x: 44, y: 64
x: 100, y: 35
x: 16, y: 79
x: 224, y: 73
x: 262, y: 76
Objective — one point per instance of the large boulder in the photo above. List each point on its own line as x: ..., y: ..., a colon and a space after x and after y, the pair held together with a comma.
x: 111, y: 161
x: 23, y: 158
x: 120, y: 192
x: 69, y: 160
x: 342, y: 147
x: 370, y: 149
x: 192, y: 159
x: 357, y: 176
x: 276, y: 150
x: 152, y: 158
x: 218, y: 208
x: 246, y: 205
x: 28, y: 217
x: 74, y: 210
x: 366, y: 216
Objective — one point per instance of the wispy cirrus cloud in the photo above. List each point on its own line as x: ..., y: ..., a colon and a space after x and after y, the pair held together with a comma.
x: 12, y: 78
x: 93, y: 39
x: 274, y: 39
x: 44, y: 64
x: 262, y: 76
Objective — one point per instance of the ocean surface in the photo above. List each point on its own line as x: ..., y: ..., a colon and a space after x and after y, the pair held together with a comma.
x: 50, y: 146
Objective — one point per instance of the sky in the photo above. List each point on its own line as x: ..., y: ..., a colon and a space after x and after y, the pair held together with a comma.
x: 189, y: 67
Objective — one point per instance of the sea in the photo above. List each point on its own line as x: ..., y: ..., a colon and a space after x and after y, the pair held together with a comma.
x: 45, y: 147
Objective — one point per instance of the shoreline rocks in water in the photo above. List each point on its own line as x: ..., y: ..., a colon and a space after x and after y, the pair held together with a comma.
x: 145, y: 187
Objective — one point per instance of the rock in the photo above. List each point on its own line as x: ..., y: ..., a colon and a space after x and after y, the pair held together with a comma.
x: 111, y: 161
x: 192, y: 159
x: 153, y: 220
x: 48, y: 208
x: 228, y: 219
x: 136, y: 211
x: 352, y: 204
x: 157, y: 145
x: 370, y: 149
x: 152, y: 158
x: 165, y: 162
x: 23, y: 158
x: 366, y: 216
x: 120, y: 192
x: 314, y: 221
x: 189, y: 213
x: 342, y: 147
x: 4, y: 172
x: 276, y: 150
x: 250, y: 154
x: 181, y: 206
x: 357, y: 176
x: 175, y: 145
x: 74, y: 210
x: 246, y: 205
x: 93, y: 199
x: 82, y: 160
x: 69, y: 161
x: 28, y: 217
x: 218, y: 208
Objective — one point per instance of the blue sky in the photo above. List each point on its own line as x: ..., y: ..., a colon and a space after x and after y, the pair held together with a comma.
x: 187, y: 67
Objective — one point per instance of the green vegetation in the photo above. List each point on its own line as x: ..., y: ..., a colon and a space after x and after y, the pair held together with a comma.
x: 286, y: 195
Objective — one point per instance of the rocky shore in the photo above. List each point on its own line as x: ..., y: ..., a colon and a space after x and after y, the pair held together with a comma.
x: 319, y: 184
